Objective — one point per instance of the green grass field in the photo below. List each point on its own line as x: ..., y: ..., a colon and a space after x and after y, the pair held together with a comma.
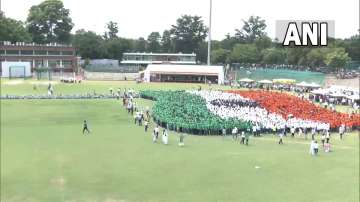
x: 45, y: 157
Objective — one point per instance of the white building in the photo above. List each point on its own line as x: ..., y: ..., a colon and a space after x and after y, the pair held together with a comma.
x: 183, y: 73
x: 158, y: 58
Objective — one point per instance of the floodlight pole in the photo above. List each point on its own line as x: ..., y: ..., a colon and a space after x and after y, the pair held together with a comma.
x: 209, y: 42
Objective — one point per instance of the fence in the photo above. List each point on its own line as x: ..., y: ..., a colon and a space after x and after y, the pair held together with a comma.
x: 113, y: 68
x: 270, y: 74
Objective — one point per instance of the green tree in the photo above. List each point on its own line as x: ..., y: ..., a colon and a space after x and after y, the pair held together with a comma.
x: 253, y: 28
x: 316, y: 57
x: 166, y: 42
x: 337, y: 58
x: 188, y: 34
x: 352, y: 46
x: 112, y: 30
x: 274, y: 56
x: 89, y: 45
x: 229, y: 42
x: 140, y: 45
x: 154, y: 42
x: 50, y: 22
x: 13, y: 30
x: 262, y: 42
x: 219, y: 56
x: 116, y: 47
x: 245, y: 53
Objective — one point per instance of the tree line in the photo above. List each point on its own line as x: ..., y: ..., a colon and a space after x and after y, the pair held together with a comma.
x: 49, y: 22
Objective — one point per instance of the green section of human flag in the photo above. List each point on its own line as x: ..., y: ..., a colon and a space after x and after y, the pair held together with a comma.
x: 188, y: 111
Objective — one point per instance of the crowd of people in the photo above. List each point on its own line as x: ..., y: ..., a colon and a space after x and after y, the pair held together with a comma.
x: 143, y: 117
x: 230, y: 105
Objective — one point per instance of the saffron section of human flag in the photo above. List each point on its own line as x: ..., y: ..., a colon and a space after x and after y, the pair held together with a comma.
x: 301, y: 109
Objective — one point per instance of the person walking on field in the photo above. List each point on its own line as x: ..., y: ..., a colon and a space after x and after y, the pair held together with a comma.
x: 85, y: 128
x: 323, y: 139
x: 292, y: 131
x: 341, y: 131
x: 146, y: 124
x: 327, y: 136
x: 281, y: 135
x: 316, y: 148
x: 234, y: 133
x: 247, y: 136
x: 223, y: 132
x: 242, y: 138
x: 313, y: 132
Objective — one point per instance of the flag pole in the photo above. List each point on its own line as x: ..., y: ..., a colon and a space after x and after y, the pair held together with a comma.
x: 209, y: 42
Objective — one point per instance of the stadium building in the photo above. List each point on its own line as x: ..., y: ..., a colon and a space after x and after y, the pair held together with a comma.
x: 144, y: 59
x: 183, y: 73
x: 58, y: 57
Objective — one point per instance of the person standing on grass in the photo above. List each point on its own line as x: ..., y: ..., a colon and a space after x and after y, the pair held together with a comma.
x: 274, y: 129
x: 313, y: 132
x: 85, y: 127
x: 323, y: 139
x: 281, y: 135
x: 327, y: 147
x: 224, y: 132
x: 311, y: 151
x: 154, y: 136
x: 316, y: 147
x: 341, y: 131
x: 242, y: 138
x: 247, y: 136
x: 292, y: 131
x: 165, y: 137
x: 156, y: 131
x: 234, y: 133
x: 181, y: 140
x: 146, y: 125
x: 254, y: 128
x: 327, y: 136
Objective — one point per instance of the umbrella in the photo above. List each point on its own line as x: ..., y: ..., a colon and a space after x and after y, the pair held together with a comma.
x: 265, y: 81
x: 284, y: 81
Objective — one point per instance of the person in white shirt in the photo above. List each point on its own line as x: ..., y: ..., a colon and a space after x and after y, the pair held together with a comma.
x: 313, y: 132
x: 234, y: 133
x: 312, y: 151
x: 292, y: 130
x: 242, y: 138
x: 327, y: 136
x: 341, y: 131
x: 323, y: 137
x: 165, y: 137
x: 281, y: 135
x: 156, y: 129
x: 316, y: 148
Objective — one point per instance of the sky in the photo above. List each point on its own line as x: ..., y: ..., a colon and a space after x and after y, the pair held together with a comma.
x: 138, y: 18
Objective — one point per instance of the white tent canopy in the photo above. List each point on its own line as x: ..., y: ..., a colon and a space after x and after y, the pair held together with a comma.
x: 353, y: 97
x: 311, y: 85
x: 320, y: 91
x: 246, y: 80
